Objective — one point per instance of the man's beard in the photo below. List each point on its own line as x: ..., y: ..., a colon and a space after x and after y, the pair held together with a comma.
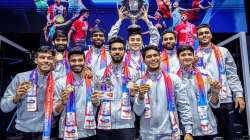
x: 117, y: 60
x: 77, y: 71
x: 168, y: 47
x: 204, y: 44
x: 60, y: 48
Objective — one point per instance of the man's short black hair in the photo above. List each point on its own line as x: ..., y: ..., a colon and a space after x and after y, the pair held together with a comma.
x: 59, y: 33
x: 134, y: 30
x: 203, y: 26
x: 76, y: 50
x: 149, y: 47
x: 97, y: 29
x: 117, y: 39
x: 83, y: 10
x: 168, y: 31
x: 184, y: 48
x: 46, y: 49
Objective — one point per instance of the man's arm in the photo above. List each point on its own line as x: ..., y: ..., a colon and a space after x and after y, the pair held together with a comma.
x: 58, y: 103
x: 139, y: 105
x: 233, y: 80
x: 70, y: 34
x: 231, y: 74
x: 154, y: 34
x: 116, y: 27
x: 9, y: 100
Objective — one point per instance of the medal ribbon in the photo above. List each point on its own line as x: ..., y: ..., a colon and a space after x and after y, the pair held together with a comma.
x: 103, y: 62
x: 165, y: 61
x: 48, y: 106
x: 201, y: 100
x: 89, y: 111
x: 70, y: 129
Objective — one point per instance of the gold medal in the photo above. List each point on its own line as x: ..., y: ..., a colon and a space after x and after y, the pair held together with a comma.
x: 209, y: 80
x: 150, y: 83
x: 130, y: 84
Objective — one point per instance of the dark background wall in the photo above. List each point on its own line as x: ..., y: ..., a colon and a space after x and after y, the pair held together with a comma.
x: 13, y: 61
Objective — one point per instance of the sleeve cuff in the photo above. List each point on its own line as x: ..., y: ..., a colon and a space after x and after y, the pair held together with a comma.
x: 55, y: 113
x: 238, y: 94
x: 138, y: 101
x: 132, y: 99
x: 119, y: 22
x: 150, y: 24
x: 188, y: 129
x: 8, y: 105
x: 11, y: 103
x: 214, y: 105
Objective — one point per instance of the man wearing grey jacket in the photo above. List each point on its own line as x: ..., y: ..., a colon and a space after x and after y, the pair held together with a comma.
x: 135, y: 41
x: 220, y: 63
x: 161, y: 96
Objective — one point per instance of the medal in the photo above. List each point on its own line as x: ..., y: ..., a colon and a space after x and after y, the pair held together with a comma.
x: 89, y: 122
x: 104, y: 118
x: 32, y: 99
x: 147, y: 110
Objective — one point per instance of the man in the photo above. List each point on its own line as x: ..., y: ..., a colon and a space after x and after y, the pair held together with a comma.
x: 169, y: 58
x: 163, y: 8
x: 161, y: 96
x: 62, y: 67
x: 60, y: 42
x: 79, y: 29
x: 135, y: 41
x: 97, y: 57
x: 220, y: 63
x: 202, y: 94
x: 73, y: 101
x: 32, y: 93
x: 115, y: 116
x: 75, y: 6
x: 185, y: 31
x: 54, y: 10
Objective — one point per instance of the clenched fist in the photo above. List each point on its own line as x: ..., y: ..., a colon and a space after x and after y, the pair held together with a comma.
x: 65, y: 94
x: 143, y: 90
x: 22, y: 90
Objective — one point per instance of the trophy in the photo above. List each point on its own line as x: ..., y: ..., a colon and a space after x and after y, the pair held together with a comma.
x: 133, y: 9
x: 104, y: 88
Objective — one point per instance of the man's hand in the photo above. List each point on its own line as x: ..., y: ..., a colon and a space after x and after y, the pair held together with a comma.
x: 143, y: 90
x: 96, y: 98
x: 188, y: 137
x: 122, y: 13
x: 145, y: 14
x: 59, y: 56
x: 65, y: 94
x: 133, y: 88
x: 87, y: 72
x: 239, y: 102
x: 215, y: 90
x: 216, y: 87
x: 22, y: 90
